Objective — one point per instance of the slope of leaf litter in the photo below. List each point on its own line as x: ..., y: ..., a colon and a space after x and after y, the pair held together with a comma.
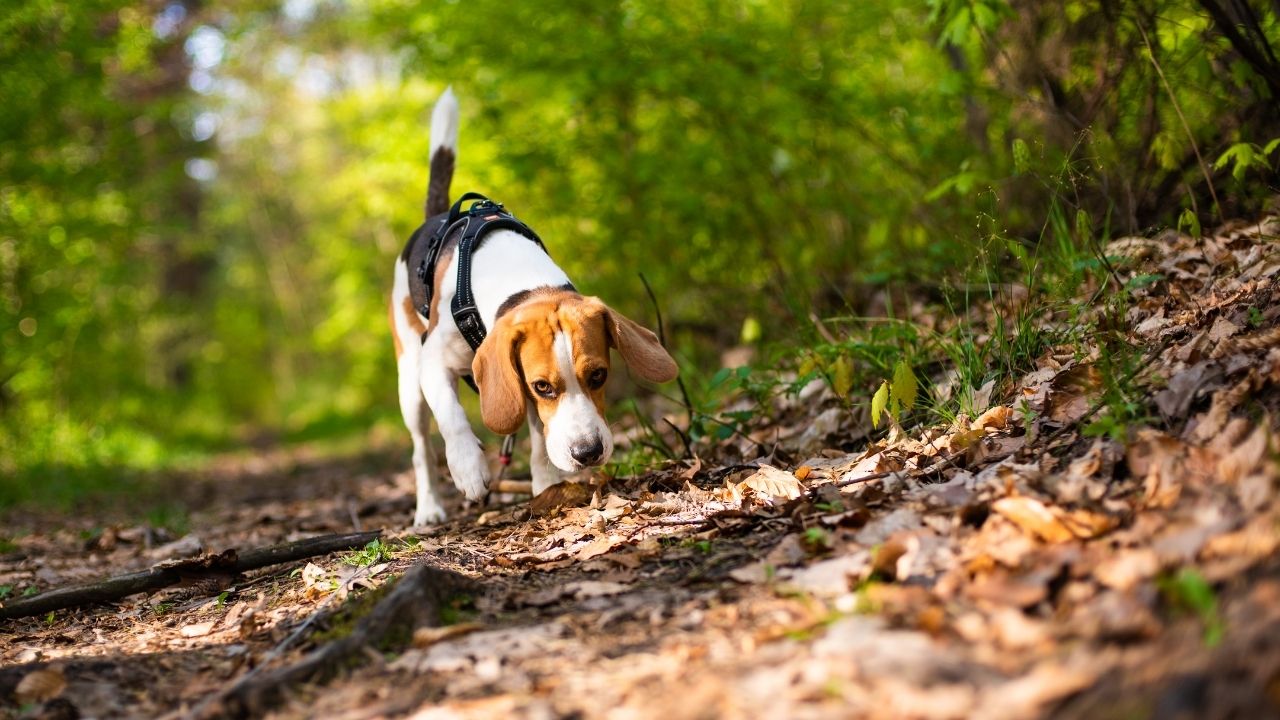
x: 1098, y: 542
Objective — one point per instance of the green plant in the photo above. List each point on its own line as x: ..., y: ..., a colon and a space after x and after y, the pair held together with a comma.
x: 816, y: 540
x: 1255, y: 317
x: 894, y: 398
x: 702, y: 546
x: 374, y: 552
x: 1245, y: 156
x: 1188, y: 591
x: 1121, y: 403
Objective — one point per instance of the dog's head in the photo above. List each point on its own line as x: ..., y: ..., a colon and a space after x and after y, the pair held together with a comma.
x: 553, y: 350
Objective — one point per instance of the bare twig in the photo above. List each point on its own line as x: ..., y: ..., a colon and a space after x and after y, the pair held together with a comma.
x: 226, y: 564
x: 518, y: 487
x: 1204, y: 168
x: 684, y: 392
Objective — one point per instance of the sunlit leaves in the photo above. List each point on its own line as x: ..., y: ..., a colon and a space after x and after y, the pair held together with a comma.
x: 1188, y: 222
x: 879, y: 402
x: 1244, y: 156
x: 904, y: 386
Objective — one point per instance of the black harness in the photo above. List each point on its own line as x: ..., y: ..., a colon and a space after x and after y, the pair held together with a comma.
x: 471, y: 227
x: 483, y: 217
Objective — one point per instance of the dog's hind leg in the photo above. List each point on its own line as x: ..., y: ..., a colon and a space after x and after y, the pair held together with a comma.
x: 417, y: 417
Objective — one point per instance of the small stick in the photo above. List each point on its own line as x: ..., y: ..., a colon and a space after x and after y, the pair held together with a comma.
x: 226, y: 564
x: 684, y: 392
x: 517, y: 487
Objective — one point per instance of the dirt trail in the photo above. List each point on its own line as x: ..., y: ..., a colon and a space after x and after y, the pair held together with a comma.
x: 1005, y: 565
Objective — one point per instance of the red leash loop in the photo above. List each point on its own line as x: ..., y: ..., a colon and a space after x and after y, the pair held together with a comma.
x: 504, y: 456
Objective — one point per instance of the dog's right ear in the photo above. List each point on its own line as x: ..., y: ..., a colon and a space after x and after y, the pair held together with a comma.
x: 497, y: 374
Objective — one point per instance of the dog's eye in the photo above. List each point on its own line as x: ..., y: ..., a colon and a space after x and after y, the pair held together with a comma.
x: 543, y: 388
x: 597, y: 377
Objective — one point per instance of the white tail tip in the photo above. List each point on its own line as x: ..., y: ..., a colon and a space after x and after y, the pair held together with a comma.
x: 444, y: 122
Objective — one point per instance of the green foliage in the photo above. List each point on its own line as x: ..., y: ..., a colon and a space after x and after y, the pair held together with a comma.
x: 1188, y: 591
x: 1119, y: 407
x: 374, y: 552
x: 1255, y: 317
x: 1243, y: 157
x: 200, y: 206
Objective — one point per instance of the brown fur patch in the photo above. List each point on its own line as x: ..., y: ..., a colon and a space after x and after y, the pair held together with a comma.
x: 524, y: 340
x: 395, y: 336
x: 415, y: 320
x: 520, y: 351
x: 442, y: 266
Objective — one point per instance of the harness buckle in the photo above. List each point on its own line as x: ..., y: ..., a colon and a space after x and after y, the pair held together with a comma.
x: 467, y: 318
x: 486, y: 205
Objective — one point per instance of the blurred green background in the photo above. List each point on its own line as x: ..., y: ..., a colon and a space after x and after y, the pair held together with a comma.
x: 200, y: 202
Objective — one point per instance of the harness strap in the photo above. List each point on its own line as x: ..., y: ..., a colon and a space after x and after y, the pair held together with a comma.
x: 484, y: 217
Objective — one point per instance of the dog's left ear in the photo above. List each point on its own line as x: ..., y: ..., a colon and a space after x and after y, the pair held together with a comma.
x: 497, y: 375
x: 639, y: 347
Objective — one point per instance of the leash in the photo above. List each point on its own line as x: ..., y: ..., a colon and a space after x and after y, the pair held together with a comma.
x: 504, y: 456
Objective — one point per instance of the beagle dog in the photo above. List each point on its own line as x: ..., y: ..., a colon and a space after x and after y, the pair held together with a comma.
x: 545, y: 358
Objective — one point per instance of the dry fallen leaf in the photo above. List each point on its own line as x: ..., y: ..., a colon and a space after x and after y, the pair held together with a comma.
x: 40, y: 686
x: 1127, y: 568
x: 1072, y: 392
x: 316, y: 582
x: 1245, y: 457
x: 773, y: 484
x: 565, y: 494
x: 601, y: 545
x: 195, y: 630
x: 1033, y: 517
x: 1085, y: 524
x: 997, y: 418
x: 692, y: 471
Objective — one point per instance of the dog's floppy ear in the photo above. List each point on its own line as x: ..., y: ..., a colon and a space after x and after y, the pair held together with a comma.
x: 497, y: 374
x: 639, y: 347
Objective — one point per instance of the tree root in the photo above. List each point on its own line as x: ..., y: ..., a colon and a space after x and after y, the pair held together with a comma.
x: 415, y: 601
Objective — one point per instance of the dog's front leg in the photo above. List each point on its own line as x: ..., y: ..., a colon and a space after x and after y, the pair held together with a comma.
x: 462, y: 450
x: 544, y: 472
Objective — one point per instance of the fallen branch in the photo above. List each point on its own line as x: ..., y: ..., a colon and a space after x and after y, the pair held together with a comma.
x: 415, y: 601
x: 515, y: 487
x: 225, y: 564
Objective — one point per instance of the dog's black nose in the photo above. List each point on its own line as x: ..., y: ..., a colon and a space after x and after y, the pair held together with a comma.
x: 589, y: 452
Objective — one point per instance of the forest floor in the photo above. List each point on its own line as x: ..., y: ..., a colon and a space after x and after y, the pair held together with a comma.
x: 1007, y: 565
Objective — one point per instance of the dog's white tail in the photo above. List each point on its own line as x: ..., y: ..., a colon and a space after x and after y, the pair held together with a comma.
x: 444, y: 152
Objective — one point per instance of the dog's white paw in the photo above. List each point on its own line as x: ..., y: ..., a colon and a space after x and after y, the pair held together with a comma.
x: 429, y: 515
x: 470, y: 473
